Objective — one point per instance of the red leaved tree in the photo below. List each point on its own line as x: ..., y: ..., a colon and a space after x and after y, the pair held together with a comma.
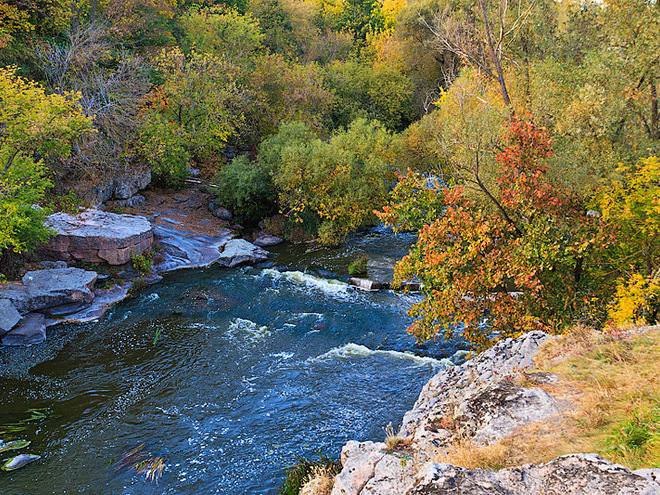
x: 517, y: 261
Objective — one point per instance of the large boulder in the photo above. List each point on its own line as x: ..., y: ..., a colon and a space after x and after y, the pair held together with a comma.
x: 239, y: 251
x: 96, y: 236
x: 43, y: 289
x: 574, y: 474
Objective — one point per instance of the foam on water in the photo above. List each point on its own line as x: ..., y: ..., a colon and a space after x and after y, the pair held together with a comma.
x: 248, y: 329
x: 351, y: 350
x: 328, y: 286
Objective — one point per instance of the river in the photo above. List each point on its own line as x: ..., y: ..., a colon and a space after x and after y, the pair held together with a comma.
x: 227, y: 375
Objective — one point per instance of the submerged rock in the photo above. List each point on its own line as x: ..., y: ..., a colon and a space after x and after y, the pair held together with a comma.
x: 96, y: 236
x: 239, y: 251
x: 31, y: 330
x: 574, y: 474
x: 266, y: 240
x: 19, y: 461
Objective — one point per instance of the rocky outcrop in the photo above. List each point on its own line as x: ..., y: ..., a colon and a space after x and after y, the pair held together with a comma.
x: 220, y: 212
x: 480, y: 402
x: 42, y: 290
x: 96, y: 236
x: 240, y: 251
x: 575, y: 474
x: 120, y: 188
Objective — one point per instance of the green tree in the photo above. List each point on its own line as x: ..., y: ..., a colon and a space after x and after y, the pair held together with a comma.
x: 223, y: 33
x: 339, y: 181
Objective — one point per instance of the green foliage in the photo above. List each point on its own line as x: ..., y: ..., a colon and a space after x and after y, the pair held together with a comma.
x: 164, y: 149
x: 246, y: 188
x: 280, y: 91
x: 194, y: 106
x: 143, y: 263
x: 339, y: 181
x: 358, y: 266
x: 223, y: 33
x: 379, y: 92
x: 32, y: 124
x: 298, y: 474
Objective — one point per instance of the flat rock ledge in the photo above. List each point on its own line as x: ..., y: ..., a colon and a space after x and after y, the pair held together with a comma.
x: 96, y: 236
x: 481, y: 402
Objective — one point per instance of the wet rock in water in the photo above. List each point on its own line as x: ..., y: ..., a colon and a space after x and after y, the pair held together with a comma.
x: 44, y: 289
x: 365, y: 284
x: 180, y: 250
x: 9, y: 316
x: 583, y: 474
x: 97, y: 236
x: 266, y: 240
x: 31, y: 330
x: 19, y: 461
x: 239, y: 251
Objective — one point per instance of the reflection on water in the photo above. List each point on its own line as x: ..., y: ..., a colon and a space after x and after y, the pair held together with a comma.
x: 250, y: 368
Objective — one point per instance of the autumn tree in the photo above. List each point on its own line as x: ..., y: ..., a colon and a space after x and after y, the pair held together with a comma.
x: 506, y: 265
x: 33, y: 126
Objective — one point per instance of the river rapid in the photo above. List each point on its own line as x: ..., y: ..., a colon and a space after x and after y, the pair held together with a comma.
x: 227, y: 374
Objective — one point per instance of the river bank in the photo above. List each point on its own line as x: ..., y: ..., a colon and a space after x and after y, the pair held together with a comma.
x: 476, y: 428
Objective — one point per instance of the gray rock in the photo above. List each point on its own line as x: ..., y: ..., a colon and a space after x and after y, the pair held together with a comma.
x: 31, y: 330
x: 125, y: 187
x: 50, y: 265
x: 132, y: 202
x: 9, y: 316
x: 366, y: 284
x: 44, y: 289
x: 480, y: 400
x: 180, y: 250
x: 359, y: 461
x: 574, y: 474
x: 193, y: 172
x: 96, y: 236
x: 649, y: 474
x: 239, y: 251
x: 266, y: 240
x: 222, y: 214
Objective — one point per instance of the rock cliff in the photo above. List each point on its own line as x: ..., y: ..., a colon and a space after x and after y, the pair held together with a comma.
x: 480, y: 402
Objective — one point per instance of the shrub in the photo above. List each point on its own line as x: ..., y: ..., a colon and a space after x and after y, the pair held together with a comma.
x: 359, y: 266
x: 164, y: 149
x: 246, y: 189
x: 303, y: 470
x: 142, y: 262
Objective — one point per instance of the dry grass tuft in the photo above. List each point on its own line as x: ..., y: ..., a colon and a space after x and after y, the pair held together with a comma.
x: 466, y: 454
x: 393, y: 441
x: 320, y: 481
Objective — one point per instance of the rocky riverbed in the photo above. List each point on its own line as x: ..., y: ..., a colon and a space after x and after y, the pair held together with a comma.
x: 59, y: 293
x: 480, y: 403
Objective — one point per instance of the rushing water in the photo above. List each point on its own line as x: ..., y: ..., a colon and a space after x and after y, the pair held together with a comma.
x: 250, y: 368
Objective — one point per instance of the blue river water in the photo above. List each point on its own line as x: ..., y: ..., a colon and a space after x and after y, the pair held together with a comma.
x: 227, y: 375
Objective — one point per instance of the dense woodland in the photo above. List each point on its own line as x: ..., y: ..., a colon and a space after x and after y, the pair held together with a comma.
x: 519, y: 138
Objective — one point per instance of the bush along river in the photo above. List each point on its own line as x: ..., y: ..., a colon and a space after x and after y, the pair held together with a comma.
x: 213, y: 381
